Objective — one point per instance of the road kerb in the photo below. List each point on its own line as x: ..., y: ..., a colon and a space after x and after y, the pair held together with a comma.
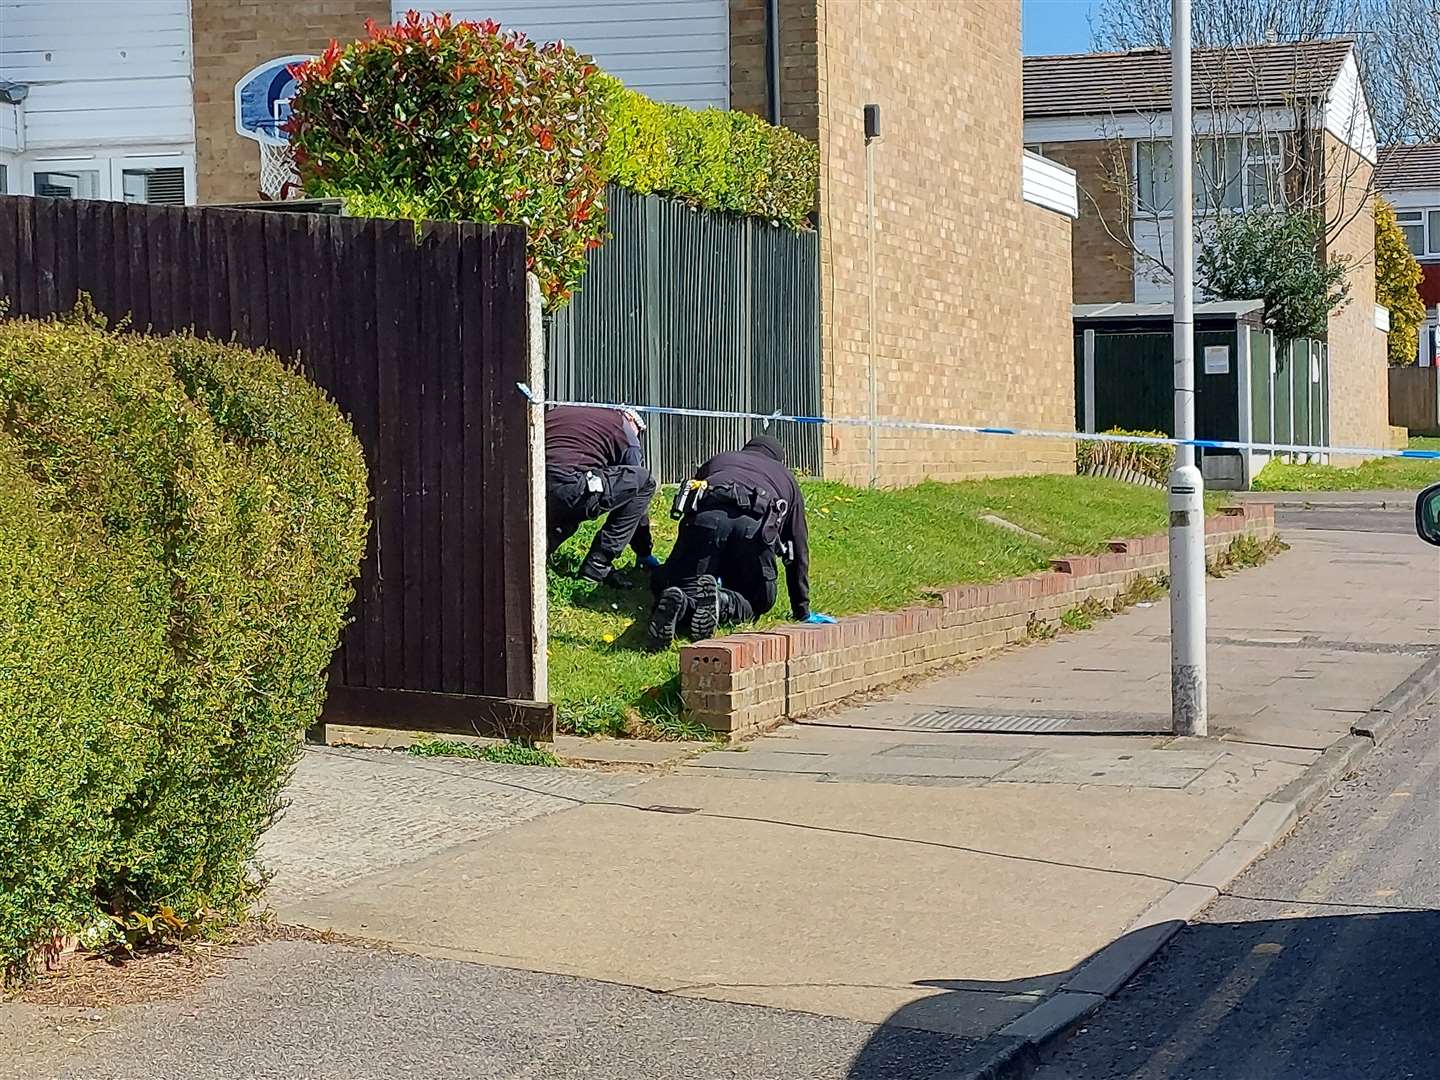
x: 1420, y: 687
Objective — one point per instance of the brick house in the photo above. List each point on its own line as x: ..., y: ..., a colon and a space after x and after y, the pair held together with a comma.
x: 972, y: 239
x: 1409, y: 179
x: 1275, y: 124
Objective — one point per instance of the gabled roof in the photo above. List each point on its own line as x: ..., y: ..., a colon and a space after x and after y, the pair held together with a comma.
x: 1252, y: 76
x: 1408, y: 166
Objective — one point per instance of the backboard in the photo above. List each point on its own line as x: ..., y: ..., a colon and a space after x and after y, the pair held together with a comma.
x: 262, y: 100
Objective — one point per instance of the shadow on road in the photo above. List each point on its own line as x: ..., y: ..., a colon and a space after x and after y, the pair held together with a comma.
x: 1324, y: 997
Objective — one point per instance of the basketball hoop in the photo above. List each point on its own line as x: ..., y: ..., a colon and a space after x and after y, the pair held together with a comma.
x: 279, y: 176
x: 262, y: 106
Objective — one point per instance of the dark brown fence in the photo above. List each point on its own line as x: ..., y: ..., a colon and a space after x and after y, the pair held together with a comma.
x: 420, y: 339
x: 1415, y: 399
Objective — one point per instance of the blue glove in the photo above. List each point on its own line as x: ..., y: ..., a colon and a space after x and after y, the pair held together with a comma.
x: 816, y: 618
x: 649, y: 562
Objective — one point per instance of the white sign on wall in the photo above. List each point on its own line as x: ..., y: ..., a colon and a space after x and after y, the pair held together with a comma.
x: 1217, y: 359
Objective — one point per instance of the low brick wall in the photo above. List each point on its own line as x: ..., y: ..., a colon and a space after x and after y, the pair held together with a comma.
x: 746, y: 683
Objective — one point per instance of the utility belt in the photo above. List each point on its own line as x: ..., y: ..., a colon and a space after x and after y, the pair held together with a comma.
x: 761, y: 506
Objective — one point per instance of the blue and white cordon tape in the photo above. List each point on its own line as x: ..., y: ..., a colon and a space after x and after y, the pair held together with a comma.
x: 972, y: 429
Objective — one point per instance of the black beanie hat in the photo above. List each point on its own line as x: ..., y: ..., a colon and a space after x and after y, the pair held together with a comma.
x: 767, y: 444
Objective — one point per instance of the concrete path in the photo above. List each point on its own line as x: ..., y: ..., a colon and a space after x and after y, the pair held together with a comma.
x: 869, y: 867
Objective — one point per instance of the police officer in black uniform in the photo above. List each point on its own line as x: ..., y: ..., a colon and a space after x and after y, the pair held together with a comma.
x: 594, y: 466
x: 742, y: 510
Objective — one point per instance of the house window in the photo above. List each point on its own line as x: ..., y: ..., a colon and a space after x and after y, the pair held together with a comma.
x: 4, y: 179
x: 1422, y: 231
x: 1412, y: 224
x: 164, y: 186
x: 68, y: 184
x: 1235, y: 173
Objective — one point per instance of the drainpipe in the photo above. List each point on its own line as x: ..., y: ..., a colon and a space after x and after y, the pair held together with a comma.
x: 772, y: 59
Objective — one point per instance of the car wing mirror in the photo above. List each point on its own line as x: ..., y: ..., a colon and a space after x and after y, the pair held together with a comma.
x: 1427, y: 515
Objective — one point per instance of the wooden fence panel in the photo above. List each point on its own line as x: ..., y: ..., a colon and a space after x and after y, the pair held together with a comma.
x: 420, y: 340
x: 1415, y: 399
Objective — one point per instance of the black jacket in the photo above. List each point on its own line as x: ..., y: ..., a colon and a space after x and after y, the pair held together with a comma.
x: 580, y: 438
x: 760, y: 466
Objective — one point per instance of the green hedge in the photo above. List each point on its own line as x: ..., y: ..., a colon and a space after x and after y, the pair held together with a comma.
x: 180, y: 525
x: 434, y: 118
x: 713, y: 159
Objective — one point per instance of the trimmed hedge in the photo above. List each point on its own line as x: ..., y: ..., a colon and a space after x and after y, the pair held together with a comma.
x: 433, y: 118
x: 711, y: 159
x: 180, y: 525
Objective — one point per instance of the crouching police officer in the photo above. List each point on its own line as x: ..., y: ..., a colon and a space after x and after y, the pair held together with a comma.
x: 742, y: 510
x: 594, y: 466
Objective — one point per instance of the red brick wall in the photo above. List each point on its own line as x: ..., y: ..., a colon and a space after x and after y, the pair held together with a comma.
x: 745, y: 683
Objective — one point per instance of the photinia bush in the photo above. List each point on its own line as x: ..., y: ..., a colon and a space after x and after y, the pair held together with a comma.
x: 460, y: 121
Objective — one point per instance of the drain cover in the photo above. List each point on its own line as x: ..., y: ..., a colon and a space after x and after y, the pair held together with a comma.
x: 963, y: 720
x: 948, y: 720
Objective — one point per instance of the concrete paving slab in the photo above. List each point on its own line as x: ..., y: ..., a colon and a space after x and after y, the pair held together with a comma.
x: 352, y: 813
x: 1140, y: 768
x: 764, y: 761
x: 841, y: 899
x: 919, y: 766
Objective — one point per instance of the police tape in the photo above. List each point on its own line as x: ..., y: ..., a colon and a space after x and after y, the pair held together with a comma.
x: 975, y: 429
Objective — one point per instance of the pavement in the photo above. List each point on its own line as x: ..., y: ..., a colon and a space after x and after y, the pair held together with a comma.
x: 870, y: 891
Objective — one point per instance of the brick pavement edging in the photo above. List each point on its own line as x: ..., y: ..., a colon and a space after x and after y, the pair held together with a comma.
x: 747, y: 683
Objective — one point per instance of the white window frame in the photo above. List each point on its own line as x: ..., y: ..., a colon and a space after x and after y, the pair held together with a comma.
x: 111, y: 168
x: 10, y: 184
x: 1420, y: 215
x: 69, y: 163
x: 1254, y: 149
x: 119, y: 165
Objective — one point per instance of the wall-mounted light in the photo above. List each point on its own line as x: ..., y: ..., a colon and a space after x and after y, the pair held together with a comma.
x: 872, y: 122
x: 13, y: 93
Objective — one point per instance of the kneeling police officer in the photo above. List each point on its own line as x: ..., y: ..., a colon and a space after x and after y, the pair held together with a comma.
x: 594, y: 466
x: 742, y: 509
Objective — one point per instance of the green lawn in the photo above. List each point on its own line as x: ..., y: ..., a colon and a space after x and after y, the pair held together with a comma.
x: 870, y: 550
x: 1375, y: 475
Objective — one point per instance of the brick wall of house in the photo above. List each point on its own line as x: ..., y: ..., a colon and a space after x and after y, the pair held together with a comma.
x: 972, y: 284
x: 1104, y: 267
x: 230, y: 38
x: 1359, y: 392
x: 749, y: 90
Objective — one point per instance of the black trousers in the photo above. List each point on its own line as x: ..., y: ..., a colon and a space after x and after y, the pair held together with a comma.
x: 726, y: 545
x: 626, y: 491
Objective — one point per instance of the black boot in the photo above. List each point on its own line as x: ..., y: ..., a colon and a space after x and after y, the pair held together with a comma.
x: 704, y: 594
x: 670, y: 609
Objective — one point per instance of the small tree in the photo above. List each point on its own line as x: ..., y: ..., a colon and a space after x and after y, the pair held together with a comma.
x: 1397, y: 280
x: 1275, y: 257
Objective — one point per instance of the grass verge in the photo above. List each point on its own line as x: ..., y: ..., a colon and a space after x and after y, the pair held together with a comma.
x: 506, y: 753
x: 1380, y: 474
x: 870, y: 551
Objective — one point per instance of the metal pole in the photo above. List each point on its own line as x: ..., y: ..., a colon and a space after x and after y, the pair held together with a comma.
x: 870, y: 236
x: 1188, y: 711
